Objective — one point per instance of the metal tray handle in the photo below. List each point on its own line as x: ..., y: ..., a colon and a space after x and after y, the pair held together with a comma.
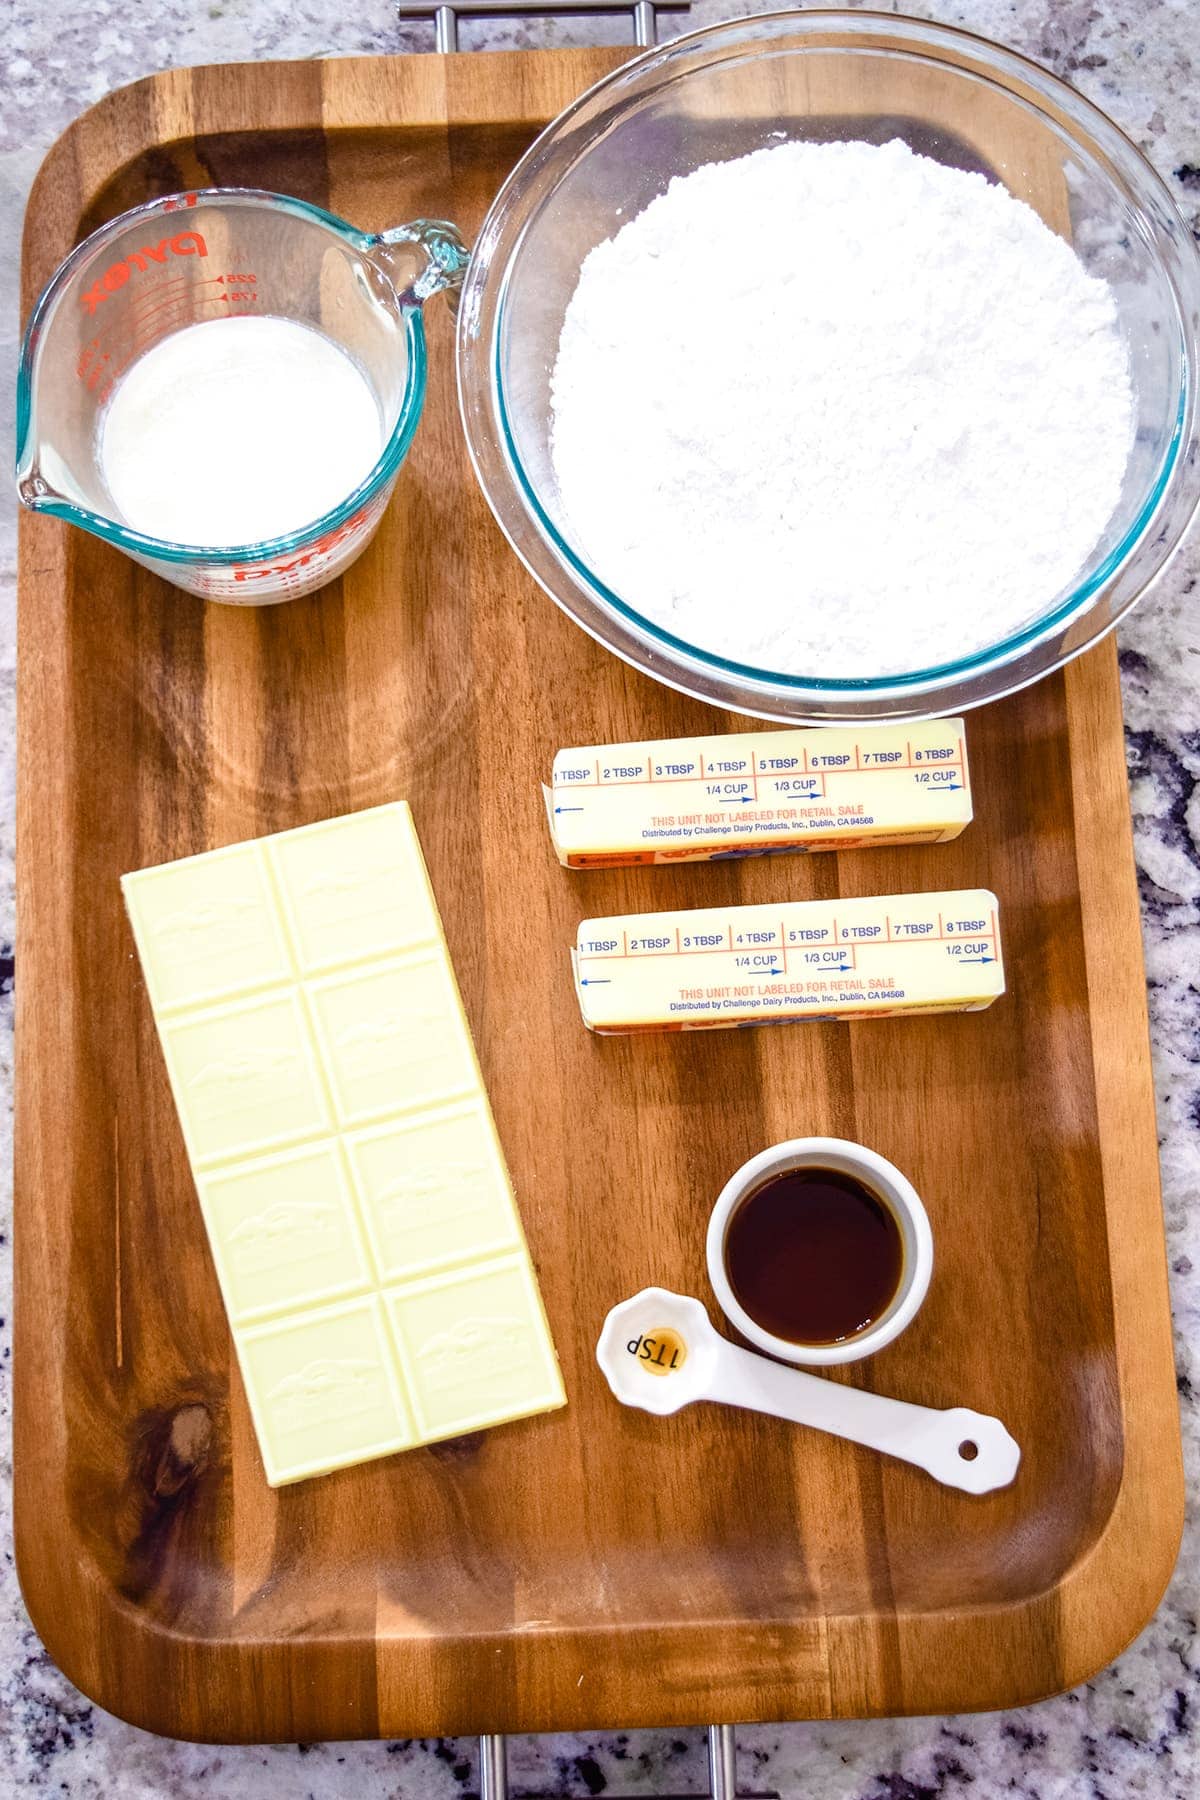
x: 722, y: 1767
x: 446, y: 14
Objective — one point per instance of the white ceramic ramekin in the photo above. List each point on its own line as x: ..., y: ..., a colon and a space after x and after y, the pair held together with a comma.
x: 880, y: 1175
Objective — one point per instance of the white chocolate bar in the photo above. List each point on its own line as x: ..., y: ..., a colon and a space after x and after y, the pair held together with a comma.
x: 357, y: 1202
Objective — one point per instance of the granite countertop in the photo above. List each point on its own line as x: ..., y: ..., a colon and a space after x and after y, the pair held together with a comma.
x: 1135, y: 1729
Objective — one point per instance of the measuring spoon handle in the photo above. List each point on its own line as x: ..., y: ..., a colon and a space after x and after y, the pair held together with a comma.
x: 958, y: 1447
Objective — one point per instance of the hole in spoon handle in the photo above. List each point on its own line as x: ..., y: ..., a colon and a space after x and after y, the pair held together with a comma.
x: 970, y: 1450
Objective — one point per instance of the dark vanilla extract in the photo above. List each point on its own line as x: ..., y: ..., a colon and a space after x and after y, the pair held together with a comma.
x: 815, y: 1256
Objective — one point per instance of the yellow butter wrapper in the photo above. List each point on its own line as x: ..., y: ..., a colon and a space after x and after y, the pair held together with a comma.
x: 811, y: 959
x: 758, y: 793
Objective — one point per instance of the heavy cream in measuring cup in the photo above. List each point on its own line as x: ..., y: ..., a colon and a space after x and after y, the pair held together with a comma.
x: 238, y: 430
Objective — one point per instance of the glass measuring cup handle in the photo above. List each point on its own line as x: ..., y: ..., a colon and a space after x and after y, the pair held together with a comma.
x: 423, y: 258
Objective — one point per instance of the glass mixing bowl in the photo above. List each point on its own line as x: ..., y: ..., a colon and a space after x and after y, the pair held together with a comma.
x: 823, y: 76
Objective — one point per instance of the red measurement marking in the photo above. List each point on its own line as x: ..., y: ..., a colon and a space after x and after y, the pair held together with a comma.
x: 133, y: 335
x: 117, y: 275
x: 167, y: 294
x: 210, y: 281
x: 223, y: 299
x: 172, y: 303
x: 148, y: 326
x: 291, y: 571
x: 151, y: 294
x: 176, y: 302
x: 130, y: 351
x: 149, y: 297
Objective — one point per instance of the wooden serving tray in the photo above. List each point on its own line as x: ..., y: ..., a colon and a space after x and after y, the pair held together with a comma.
x: 597, y: 1567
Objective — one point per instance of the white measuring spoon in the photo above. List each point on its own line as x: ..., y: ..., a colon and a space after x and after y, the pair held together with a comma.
x: 660, y: 1352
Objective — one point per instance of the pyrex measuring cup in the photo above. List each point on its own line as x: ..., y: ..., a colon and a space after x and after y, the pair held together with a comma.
x: 213, y: 254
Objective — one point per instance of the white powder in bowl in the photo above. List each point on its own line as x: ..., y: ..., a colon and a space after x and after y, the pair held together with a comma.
x: 837, y: 410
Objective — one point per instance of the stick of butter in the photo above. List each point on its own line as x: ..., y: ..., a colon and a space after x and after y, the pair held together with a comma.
x: 693, y: 799
x: 359, y: 1210
x: 811, y: 959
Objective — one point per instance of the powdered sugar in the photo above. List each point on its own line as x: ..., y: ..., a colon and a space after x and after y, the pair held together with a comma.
x: 838, y: 410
